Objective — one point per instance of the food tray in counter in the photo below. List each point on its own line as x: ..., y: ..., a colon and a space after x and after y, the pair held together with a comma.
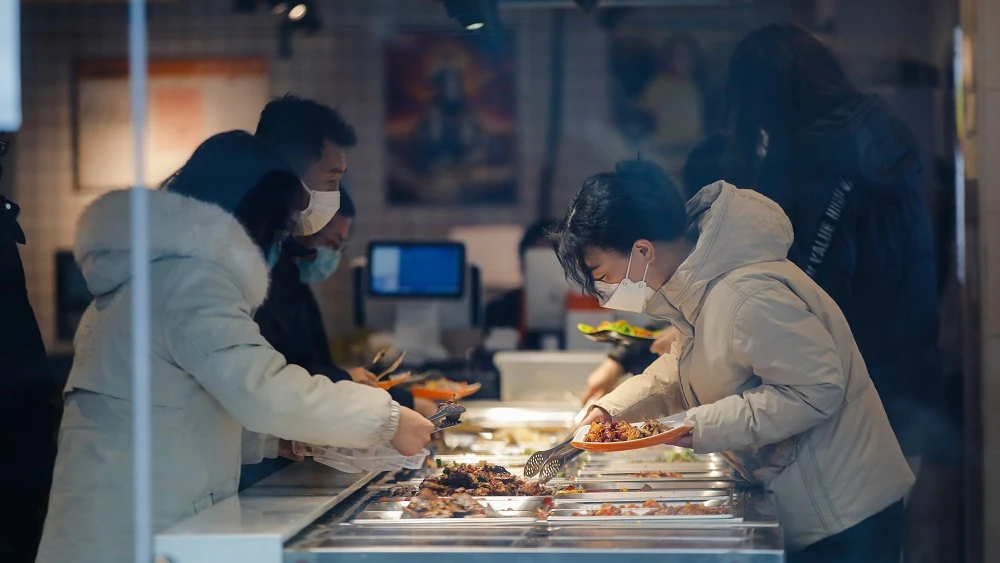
x: 658, y: 509
x: 647, y: 469
x: 652, y: 476
x: 507, y: 510
x: 628, y: 492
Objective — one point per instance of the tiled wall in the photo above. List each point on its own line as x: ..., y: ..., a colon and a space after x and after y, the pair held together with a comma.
x: 341, y: 66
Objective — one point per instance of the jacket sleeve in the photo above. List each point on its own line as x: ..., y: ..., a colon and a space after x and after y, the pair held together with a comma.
x: 211, y: 334
x: 653, y: 393
x: 802, y: 379
x: 257, y: 447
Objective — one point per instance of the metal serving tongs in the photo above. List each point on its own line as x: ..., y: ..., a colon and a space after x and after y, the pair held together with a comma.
x: 390, y: 367
x: 448, y: 415
x: 555, y: 464
x: 539, y: 459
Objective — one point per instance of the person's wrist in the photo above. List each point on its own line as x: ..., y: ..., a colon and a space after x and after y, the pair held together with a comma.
x: 393, y: 426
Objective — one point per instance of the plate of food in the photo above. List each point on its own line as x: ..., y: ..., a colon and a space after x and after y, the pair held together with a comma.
x: 616, y: 330
x: 444, y: 389
x: 618, y: 436
x: 393, y: 380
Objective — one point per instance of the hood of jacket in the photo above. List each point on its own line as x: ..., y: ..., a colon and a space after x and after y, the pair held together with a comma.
x: 179, y: 227
x: 735, y: 228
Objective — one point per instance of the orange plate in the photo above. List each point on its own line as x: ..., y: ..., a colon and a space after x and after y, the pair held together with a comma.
x: 667, y: 437
x: 393, y: 381
x: 440, y: 395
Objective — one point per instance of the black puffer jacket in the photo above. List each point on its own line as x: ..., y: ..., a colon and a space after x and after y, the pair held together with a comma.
x: 20, y: 340
x: 850, y: 185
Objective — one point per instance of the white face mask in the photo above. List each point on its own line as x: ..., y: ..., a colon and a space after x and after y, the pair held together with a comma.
x: 322, y: 207
x: 626, y: 295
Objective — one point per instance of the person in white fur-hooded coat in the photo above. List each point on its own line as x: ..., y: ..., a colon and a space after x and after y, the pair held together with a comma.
x: 219, y: 390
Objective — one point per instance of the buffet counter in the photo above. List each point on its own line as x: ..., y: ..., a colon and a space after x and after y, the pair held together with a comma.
x: 636, y: 504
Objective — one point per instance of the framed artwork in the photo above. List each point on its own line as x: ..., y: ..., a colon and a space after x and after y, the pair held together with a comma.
x: 667, y: 90
x: 450, y: 121
x: 188, y: 101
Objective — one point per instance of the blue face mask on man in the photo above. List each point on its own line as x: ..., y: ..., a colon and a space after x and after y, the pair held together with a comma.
x: 325, y: 264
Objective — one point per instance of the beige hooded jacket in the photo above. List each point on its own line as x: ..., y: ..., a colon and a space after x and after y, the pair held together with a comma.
x: 768, y: 371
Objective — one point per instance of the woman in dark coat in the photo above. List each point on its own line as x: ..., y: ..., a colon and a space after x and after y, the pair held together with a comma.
x: 846, y: 171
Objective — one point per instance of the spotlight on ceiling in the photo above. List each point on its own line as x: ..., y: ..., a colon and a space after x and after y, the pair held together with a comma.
x: 474, y: 15
x: 302, y: 14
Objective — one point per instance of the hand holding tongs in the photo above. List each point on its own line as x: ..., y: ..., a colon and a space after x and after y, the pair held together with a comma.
x: 447, y: 416
x: 547, y: 463
x: 387, y: 367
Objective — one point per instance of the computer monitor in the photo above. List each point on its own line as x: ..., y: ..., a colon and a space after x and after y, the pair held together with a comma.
x: 421, y: 280
x: 416, y: 270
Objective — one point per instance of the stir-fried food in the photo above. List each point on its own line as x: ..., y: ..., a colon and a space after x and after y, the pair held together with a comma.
x: 571, y: 489
x: 428, y: 505
x: 482, y: 480
x: 653, y: 508
x: 618, y: 431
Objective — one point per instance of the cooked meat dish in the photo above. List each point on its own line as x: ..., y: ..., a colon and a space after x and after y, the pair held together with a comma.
x: 428, y: 505
x: 400, y: 492
x: 653, y: 508
x: 658, y: 474
x: 482, y: 480
x: 618, y: 431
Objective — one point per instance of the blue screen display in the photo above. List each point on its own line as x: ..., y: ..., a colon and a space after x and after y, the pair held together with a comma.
x: 425, y: 270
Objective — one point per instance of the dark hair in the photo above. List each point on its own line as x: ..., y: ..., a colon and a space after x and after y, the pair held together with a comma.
x: 781, y: 77
x: 347, y: 209
x: 297, y: 129
x: 612, y: 210
x: 236, y: 172
x: 534, y: 234
x: 706, y: 164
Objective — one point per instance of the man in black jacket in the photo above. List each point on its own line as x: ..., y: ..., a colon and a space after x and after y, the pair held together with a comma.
x: 291, y: 320
x: 24, y: 394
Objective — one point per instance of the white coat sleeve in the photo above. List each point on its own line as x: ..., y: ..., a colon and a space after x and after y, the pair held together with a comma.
x: 653, y: 393
x: 211, y: 334
x: 258, y: 447
x: 802, y: 378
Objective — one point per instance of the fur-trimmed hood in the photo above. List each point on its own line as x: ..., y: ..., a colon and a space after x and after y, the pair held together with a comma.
x: 179, y: 227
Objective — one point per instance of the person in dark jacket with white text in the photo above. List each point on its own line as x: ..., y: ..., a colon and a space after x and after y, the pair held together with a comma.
x: 846, y: 171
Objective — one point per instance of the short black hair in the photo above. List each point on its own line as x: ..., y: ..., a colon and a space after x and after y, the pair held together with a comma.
x: 347, y: 209
x: 297, y: 128
x: 612, y: 210
x: 240, y: 174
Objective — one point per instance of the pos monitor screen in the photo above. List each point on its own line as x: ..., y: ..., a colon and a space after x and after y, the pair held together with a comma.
x: 416, y: 270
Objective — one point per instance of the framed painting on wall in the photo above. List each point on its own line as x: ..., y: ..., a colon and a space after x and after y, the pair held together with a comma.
x: 188, y: 101
x: 450, y: 121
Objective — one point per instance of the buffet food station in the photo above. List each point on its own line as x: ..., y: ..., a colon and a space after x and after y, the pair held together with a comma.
x: 469, y: 501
